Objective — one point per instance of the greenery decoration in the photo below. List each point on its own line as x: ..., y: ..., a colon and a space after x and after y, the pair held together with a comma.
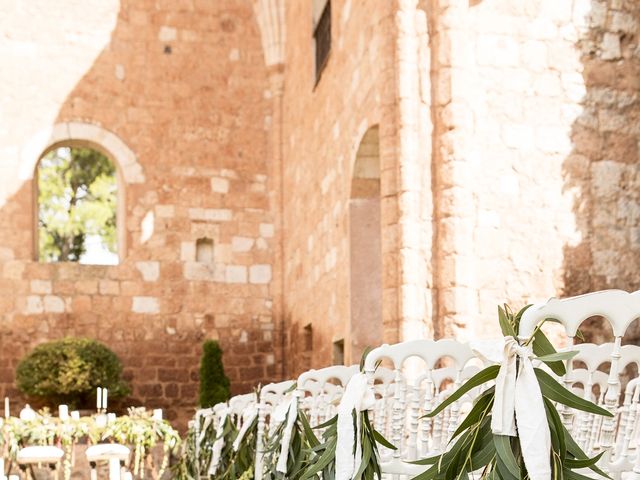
x: 226, y: 470
x: 214, y: 384
x: 68, y: 371
x: 144, y: 432
x: 474, y: 448
x: 301, y: 445
x: 241, y: 461
x: 76, y: 199
x: 322, y: 461
x: 138, y: 429
x: 197, y: 448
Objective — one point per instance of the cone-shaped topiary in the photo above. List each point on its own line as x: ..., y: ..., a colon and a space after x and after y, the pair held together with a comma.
x: 214, y: 384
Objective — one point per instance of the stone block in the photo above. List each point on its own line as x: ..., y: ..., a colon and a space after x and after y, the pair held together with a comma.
x: 266, y: 230
x: 220, y: 185
x: 150, y: 271
x: 260, y: 274
x: 210, y: 214
x: 41, y: 287
x: 188, y: 251
x: 53, y: 304
x: 236, y: 274
x: 33, y: 305
x: 148, y: 305
x: 241, y: 244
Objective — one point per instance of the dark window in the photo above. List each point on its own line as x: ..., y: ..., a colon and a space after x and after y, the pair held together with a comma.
x: 338, y: 352
x: 322, y: 37
x: 308, y: 338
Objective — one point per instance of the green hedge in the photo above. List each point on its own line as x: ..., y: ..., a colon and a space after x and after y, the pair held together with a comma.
x: 68, y: 371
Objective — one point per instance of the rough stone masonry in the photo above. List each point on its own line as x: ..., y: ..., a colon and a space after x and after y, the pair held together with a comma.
x: 494, y: 143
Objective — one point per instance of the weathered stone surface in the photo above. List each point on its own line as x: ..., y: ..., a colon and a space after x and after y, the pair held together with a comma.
x: 121, y: 66
x: 505, y: 163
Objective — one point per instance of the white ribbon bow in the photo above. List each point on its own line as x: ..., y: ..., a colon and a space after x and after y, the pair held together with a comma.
x: 357, y: 396
x: 248, y: 417
x: 219, y: 443
x: 518, y: 400
x: 292, y: 415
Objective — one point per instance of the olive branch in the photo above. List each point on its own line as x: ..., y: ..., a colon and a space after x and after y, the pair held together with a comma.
x: 474, y: 448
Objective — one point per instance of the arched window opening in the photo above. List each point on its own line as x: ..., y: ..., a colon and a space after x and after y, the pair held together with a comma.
x: 77, y: 195
x: 365, y: 248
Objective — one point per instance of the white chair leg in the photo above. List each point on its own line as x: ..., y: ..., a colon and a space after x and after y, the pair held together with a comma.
x: 114, y: 469
x: 94, y: 471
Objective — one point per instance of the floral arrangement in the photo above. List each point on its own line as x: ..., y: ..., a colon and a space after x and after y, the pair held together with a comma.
x: 144, y: 432
x: 138, y: 429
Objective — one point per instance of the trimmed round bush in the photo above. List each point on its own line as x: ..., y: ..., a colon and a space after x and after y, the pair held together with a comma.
x: 68, y: 371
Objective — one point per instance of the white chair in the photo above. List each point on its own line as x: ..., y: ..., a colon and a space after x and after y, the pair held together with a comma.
x: 620, y: 309
x: 39, y: 455
x: 414, y: 395
x: 272, y: 396
x: 318, y: 396
x: 204, y: 424
x: 115, y: 454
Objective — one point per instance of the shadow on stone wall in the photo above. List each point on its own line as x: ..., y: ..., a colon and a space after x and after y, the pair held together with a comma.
x: 604, y: 169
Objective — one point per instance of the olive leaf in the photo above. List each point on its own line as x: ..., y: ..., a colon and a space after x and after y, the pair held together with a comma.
x: 473, y: 448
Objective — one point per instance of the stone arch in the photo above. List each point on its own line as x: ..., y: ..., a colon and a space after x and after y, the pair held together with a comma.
x: 129, y: 171
x: 365, y: 247
x: 85, y: 134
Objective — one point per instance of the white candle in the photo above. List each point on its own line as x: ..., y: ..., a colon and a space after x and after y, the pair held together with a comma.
x: 63, y: 412
x: 111, y: 417
x: 6, y: 407
x: 104, y: 398
x: 99, y: 399
x: 75, y: 415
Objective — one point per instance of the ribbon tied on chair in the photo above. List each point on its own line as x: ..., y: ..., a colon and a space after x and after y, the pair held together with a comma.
x: 358, y: 397
x: 518, y: 403
x: 218, y: 445
x: 248, y: 417
x: 292, y: 416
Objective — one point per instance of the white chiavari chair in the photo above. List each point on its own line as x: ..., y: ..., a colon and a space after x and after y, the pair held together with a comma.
x: 411, y: 399
x: 319, y: 391
x: 620, y: 309
x: 273, y: 402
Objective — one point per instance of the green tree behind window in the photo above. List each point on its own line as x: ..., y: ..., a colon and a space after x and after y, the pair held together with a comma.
x: 77, y: 196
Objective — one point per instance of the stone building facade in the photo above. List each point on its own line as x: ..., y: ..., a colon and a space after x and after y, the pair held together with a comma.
x: 448, y: 156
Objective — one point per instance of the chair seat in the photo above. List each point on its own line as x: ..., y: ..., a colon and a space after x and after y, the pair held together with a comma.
x: 39, y: 454
x: 107, y: 451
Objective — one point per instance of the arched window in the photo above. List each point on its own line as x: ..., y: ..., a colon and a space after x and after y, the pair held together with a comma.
x: 77, y: 194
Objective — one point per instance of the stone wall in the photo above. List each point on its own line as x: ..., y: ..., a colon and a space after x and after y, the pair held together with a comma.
x: 537, y: 153
x: 507, y: 152
x: 178, y: 96
x: 323, y: 125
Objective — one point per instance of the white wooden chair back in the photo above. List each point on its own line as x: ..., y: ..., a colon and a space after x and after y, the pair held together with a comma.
x: 319, y: 391
x: 271, y: 396
x: 620, y: 309
x: 409, y: 433
x: 203, y: 420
